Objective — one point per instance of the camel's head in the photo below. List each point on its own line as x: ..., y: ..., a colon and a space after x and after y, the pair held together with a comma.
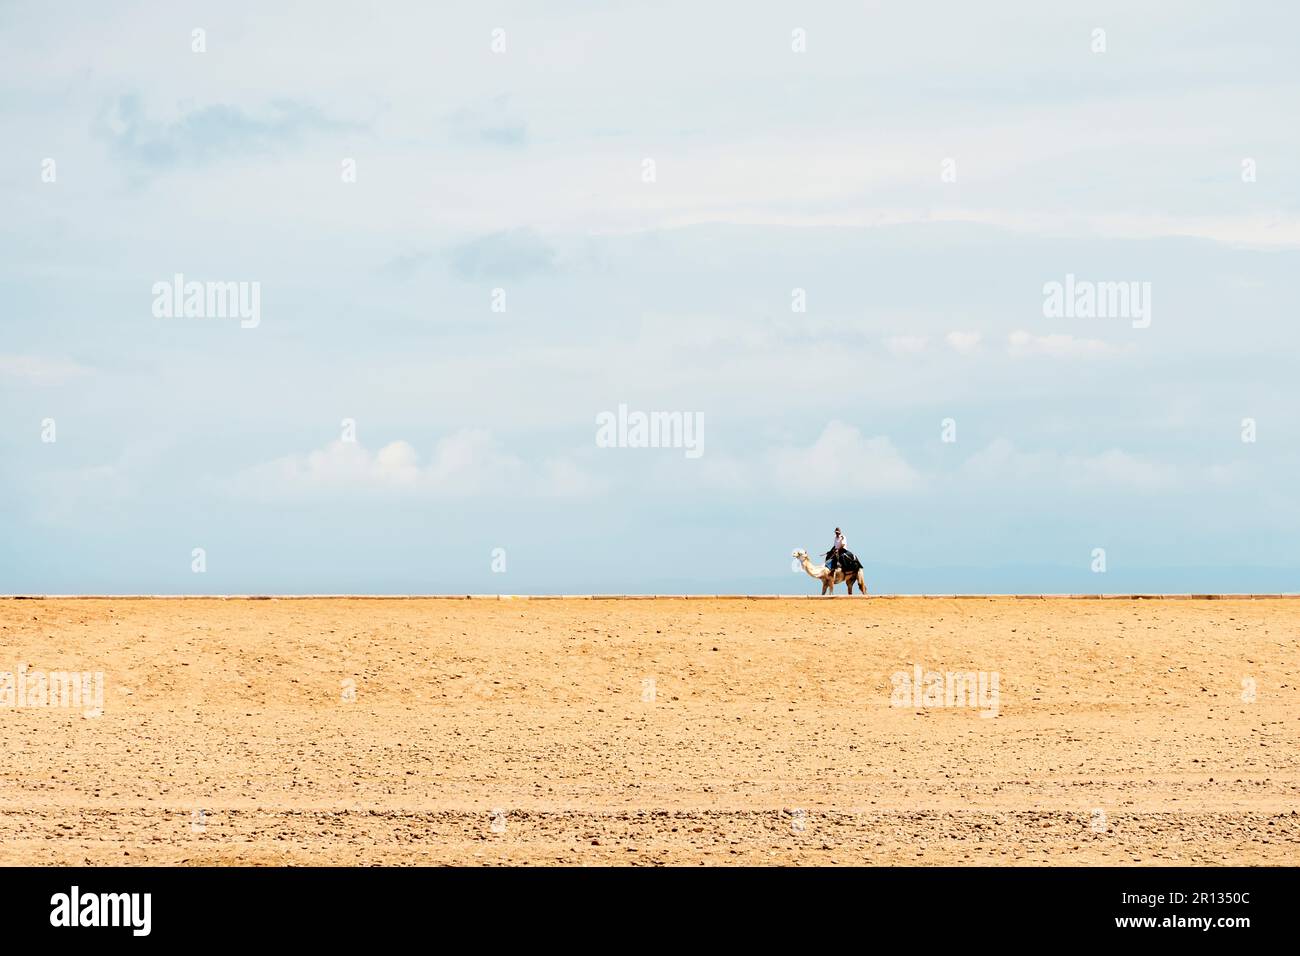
x: 800, y: 553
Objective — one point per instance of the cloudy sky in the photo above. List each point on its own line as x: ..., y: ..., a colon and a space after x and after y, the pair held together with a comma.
x: 819, y: 230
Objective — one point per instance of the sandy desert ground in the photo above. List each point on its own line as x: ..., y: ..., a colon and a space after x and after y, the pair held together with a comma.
x: 363, y: 731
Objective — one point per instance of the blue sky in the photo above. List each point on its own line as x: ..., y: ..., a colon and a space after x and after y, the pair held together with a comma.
x: 920, y: 172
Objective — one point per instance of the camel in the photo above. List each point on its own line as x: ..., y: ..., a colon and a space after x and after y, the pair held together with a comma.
x: 829, y: 579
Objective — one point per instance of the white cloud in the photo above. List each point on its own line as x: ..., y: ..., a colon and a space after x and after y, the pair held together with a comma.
x: 963, y: 341
x: 34, y: 370
x: 1002, y: 462
x: 467, y: 463
x: 1021, y: 344
x: 564, y: 478
x: 841, y: 460
x: 89, y: 494
x: 1115, y: 467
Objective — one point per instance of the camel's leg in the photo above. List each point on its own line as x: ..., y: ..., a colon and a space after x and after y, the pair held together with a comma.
x: 826, y: 586
x: 862, y: 585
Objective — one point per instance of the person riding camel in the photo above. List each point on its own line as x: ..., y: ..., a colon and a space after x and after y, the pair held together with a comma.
x: 841, y: 545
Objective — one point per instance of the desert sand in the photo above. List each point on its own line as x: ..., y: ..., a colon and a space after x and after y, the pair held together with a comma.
x: 661, y: 731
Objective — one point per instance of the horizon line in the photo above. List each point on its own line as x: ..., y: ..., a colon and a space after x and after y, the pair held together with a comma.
x: 1114, y: 596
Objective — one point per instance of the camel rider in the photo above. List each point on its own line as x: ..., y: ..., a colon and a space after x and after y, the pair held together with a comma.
x: 837, y: 549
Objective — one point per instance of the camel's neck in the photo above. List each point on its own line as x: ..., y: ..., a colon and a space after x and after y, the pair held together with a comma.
x: 812, y: 571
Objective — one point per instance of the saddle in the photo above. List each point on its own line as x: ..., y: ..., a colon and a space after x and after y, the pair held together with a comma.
x: 847, y: 562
